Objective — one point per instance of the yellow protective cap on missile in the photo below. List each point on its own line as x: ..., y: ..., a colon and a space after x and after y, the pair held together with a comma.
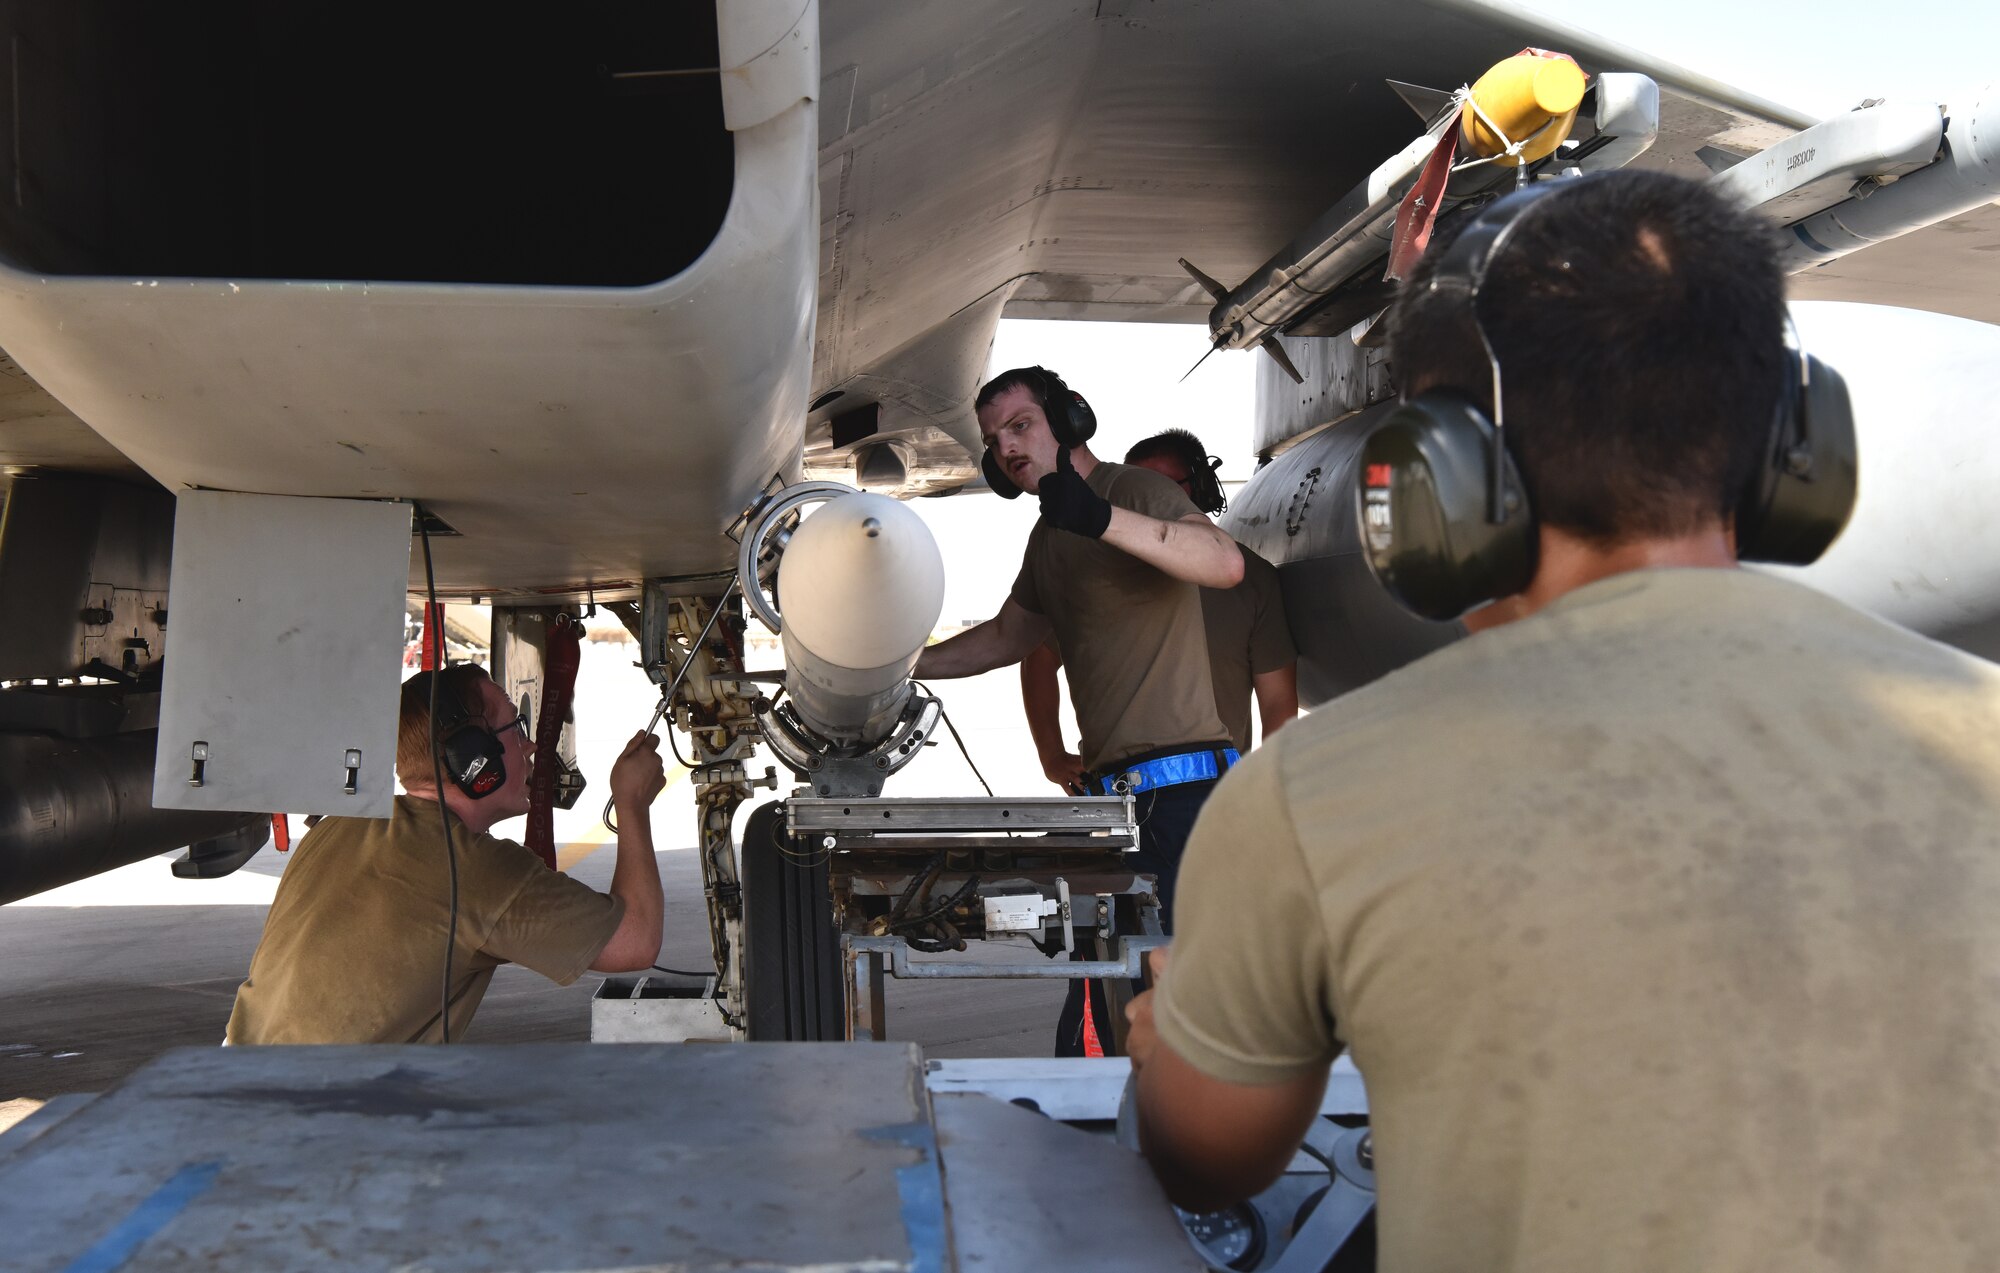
x: 1530, y: 91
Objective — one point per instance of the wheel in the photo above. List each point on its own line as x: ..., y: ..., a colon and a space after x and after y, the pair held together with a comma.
x: 791, y: 957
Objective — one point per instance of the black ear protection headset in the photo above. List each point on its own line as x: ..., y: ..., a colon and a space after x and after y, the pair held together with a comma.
x: 1070, y: 419
x: 1204, y: 483
x: 474, y: 756
x: 1445, y: 520
x: 1205, y: 486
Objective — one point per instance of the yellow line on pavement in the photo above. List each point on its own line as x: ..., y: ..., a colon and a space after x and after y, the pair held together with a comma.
x: 568, y: 855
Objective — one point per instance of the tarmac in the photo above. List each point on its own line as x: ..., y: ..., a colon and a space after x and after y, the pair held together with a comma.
x: 99, y: 977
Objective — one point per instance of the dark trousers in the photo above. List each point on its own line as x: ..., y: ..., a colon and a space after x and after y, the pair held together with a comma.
x: 1165, y: 818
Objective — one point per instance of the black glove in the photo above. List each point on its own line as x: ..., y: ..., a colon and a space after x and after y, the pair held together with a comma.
x: 1069, y: 504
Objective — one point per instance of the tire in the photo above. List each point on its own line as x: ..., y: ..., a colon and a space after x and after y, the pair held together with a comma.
x: 791, y: 959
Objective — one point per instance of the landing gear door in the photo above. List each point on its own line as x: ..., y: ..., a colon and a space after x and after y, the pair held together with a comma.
x: 520, y: 661
x: 287, y: 617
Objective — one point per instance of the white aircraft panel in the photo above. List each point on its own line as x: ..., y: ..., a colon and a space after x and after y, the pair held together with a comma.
x: 287, y: 617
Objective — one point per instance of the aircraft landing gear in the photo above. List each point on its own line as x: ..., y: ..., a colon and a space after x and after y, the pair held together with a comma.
x: 791, y: 957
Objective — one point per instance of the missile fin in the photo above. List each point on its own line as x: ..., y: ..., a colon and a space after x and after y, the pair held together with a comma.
x: 1430, y: 104
x: 1209, y: 285
x: 1272, y: 347
x: 1718, y: 159
x: 1372, y: 332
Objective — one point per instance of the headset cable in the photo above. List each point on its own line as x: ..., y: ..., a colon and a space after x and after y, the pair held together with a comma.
x: 962, y: 750
x: 432, y: 611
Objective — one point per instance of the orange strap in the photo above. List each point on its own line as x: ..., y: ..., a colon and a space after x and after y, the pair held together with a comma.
x: 433, y: 656
x: 559, y: 663
x: 1092, y: 1045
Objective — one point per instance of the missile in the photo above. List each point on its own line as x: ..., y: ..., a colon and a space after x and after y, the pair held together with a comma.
x: 1878, y: 172
x: 861, y: 583
x: 1532, y: 97
x: 1331, y: 276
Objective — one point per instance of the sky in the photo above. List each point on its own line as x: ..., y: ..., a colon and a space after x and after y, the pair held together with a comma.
x: 1844, y: 53
x: 1822, y: 57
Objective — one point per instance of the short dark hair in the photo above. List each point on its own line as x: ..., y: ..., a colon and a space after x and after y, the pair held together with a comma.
x: 1177, y: 443
x: 1638, y: 321
x: 1033, y: 379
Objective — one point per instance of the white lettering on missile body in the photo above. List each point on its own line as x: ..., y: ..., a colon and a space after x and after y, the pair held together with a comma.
x: 1378, y: 519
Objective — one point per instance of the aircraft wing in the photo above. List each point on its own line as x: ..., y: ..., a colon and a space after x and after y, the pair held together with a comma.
x: 636, y: 329
x: 36, y: 432
x: 1058, y: 161
x: 1948, y: 268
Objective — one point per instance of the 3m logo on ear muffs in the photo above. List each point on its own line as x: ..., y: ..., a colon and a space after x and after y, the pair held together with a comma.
x: 1378, y: 518
x: 1424, y: 506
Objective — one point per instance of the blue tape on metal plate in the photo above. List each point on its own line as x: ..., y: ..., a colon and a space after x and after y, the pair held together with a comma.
x: 153, y: 1214
x: 922, y: 1190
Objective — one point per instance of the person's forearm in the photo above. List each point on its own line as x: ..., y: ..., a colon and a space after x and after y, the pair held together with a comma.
x: 635, y: 881
x: 1272, y: 719
x: 1195, y: 1185
x: 969, y: 653
x: 1277, y: 698
x: 1194, y: 551
x: 1005, y: 638
x: 1208, y: 1156
x: 1041, y: 702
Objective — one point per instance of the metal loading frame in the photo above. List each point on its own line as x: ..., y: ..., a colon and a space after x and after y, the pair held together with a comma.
x: 1130, y: 963
x: 866, y: 818
x: 1064, y: 847
x: 868, y: 959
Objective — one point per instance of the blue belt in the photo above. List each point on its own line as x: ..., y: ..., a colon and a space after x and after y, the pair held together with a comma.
x: 1205, y: 765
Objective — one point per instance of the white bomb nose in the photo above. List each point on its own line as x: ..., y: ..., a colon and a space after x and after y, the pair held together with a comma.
x: 860, y: 587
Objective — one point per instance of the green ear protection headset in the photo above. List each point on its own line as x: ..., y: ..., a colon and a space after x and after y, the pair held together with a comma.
x: 1446, y: 522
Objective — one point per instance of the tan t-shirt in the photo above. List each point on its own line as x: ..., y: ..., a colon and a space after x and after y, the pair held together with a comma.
x: 1664, y: 926
x: 1131, y: 636
x: 1247, y: 637
x: 353, y: 948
